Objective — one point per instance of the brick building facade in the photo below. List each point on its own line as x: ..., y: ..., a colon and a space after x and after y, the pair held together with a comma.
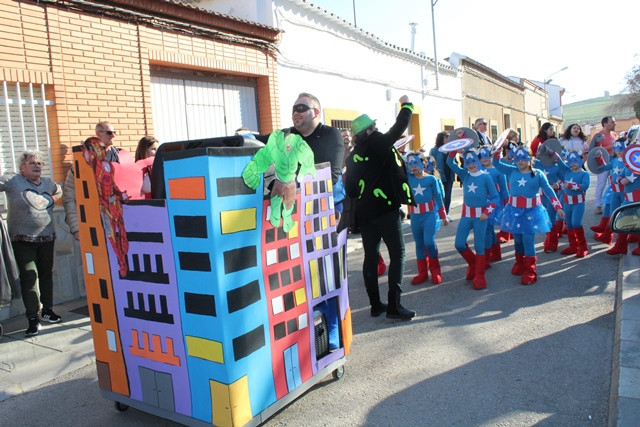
x: 94, y: 61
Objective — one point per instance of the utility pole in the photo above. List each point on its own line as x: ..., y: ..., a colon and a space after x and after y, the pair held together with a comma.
x: 354, y: 14
x: 413, y: 35
x: 435, y: 54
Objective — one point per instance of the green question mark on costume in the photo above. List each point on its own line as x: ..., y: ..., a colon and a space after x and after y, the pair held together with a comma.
x: 357, y: 158
x: 398, y: 157
x: 379, y: 193
x: 361, y: 183
x: 407, y: 189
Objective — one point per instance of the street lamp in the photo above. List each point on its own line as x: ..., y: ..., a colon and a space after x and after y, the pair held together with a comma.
x: 435, y: 54
x: 548, y: 80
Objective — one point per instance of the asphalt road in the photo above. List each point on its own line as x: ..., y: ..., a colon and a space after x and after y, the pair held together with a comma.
x: 510, y: 355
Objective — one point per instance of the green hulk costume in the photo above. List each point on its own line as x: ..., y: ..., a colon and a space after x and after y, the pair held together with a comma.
x: 285, y: 150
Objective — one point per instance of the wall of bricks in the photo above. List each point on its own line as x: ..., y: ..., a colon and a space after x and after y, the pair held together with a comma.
x: 98, y: 68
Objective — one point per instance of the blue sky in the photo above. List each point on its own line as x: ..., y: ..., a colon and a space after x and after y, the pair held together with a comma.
x: 596, y: 40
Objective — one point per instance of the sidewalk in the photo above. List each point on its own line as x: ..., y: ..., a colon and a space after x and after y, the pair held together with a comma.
x: 624, y: 408
x: 29, y: 363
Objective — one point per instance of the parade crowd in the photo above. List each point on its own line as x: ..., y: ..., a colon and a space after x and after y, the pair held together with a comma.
x: 511, y: 190
x: 516, y: 189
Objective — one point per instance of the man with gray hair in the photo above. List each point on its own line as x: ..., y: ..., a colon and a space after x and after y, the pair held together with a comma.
x: 481, y: 130
x: 105, y: 132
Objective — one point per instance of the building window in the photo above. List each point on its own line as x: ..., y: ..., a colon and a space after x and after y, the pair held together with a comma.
x: 23, y: 126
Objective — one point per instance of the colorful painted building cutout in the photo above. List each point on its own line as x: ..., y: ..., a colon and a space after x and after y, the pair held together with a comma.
x: 215, y: 318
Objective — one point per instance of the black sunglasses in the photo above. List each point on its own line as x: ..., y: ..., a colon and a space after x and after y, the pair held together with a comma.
x: 301, y: 108
x: 109, y: 132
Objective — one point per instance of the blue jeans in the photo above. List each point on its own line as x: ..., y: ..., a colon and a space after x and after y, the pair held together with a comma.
x: 387, y: 228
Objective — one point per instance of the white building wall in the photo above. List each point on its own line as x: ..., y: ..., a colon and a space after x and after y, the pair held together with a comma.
x: 348, y: 69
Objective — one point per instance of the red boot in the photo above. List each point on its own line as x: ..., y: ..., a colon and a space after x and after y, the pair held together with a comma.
x: 382, y: 267
x: 551, y: 244
x: 606, y: 236
x: 496, y: 252
x: 620, y: 248
x: 434, y: 267
x: 530, y: 276
x: 503, y: 236
x: 582, y: 248
x: 518, y: 267
x: 479, y: 281
x: 470, y: 257
x: 558, y: 228
x: 604, y: 221
x: 423, y: 272
x: 546, y: 241
x: 487, y: 260
x: 634, y: 238
x: 573, y: 244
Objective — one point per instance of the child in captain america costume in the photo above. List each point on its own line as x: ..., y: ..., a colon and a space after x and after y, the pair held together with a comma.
x: 576, y: 182
x: 492, y: 245
x: 555, y: 181
x: 524, y: 215
x: 507, y: 157
x: 616, y: 173
x: 480, y: 199
x: 631, y: 194
x: 426, y: 216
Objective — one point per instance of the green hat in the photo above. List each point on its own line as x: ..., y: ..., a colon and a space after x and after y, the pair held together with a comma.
x: 362, y: 122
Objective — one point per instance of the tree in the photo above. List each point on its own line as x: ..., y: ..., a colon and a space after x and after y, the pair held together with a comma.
x: 633, y: 81
x: 631, y: 99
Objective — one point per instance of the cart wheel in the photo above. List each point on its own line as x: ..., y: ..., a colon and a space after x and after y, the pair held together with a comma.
x: 121, y: 407
x: 338, y: 373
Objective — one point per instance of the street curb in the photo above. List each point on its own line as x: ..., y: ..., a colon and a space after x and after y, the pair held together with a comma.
x: 624, y: 401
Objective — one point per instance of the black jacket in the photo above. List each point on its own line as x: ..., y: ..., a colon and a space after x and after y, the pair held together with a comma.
x: 376, y: 172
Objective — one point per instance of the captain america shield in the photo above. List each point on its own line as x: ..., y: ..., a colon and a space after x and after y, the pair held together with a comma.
x: 631, y: 158
x: 458, y: 144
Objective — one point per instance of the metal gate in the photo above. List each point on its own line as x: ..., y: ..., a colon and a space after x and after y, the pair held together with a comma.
x: 186, y: 109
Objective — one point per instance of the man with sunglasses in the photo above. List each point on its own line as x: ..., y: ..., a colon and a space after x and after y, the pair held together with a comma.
x: 325, y: 141
x: 481, y: 130
x: 105, y: 132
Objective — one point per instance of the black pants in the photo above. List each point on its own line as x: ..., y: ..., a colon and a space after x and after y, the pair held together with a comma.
x: 35, y: 261
x: 448, y: 186
x: 387, y: 228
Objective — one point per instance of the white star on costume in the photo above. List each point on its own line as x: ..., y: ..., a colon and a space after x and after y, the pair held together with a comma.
x: 522, y: 182
x: 490, y: 209
x: 617, y: 170
x: 632, y: 177
x: 556, y: 203
x: 472, y: 188
x: 569, y: 184
x: 419, y: 190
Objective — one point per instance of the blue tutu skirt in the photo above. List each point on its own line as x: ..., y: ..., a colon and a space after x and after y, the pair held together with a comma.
x: 525, y: 220
x: 496, y: 216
